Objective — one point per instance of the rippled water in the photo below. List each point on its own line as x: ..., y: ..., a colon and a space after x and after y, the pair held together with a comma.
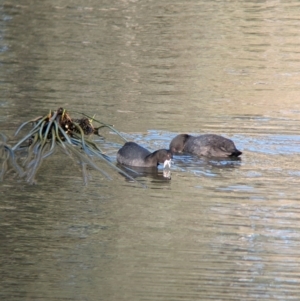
x: 219, y: 229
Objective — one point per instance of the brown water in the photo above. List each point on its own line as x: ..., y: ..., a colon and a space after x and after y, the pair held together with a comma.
x: 218, y: 230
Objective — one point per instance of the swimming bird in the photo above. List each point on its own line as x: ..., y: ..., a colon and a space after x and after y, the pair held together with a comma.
x: 132, y: 154
x: 208, y: 145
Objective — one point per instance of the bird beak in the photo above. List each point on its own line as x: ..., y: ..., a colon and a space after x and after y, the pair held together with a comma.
x: 167, y: 164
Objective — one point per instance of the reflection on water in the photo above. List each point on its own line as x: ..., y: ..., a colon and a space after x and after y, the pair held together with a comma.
x: 153, y: 172
x: 219, y: 230
x: 205, y: 166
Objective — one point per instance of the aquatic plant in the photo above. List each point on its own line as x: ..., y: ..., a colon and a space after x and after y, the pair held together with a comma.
x: 56, y: 129
x: 8, y: 157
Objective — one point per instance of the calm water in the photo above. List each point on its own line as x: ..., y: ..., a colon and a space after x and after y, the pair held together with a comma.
x: 218, y: 230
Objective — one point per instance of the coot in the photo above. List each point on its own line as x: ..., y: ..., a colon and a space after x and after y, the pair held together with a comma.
x: 132, y: 154
x: 208, y: 145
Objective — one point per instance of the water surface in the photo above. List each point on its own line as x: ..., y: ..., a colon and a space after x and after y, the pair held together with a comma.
x: 218, y: 230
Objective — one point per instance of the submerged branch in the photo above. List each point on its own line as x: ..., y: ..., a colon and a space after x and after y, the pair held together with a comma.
x: 56, y: 128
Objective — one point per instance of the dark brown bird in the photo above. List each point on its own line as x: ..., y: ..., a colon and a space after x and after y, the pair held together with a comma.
x: 132, y: 154
x: 208, y: 145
